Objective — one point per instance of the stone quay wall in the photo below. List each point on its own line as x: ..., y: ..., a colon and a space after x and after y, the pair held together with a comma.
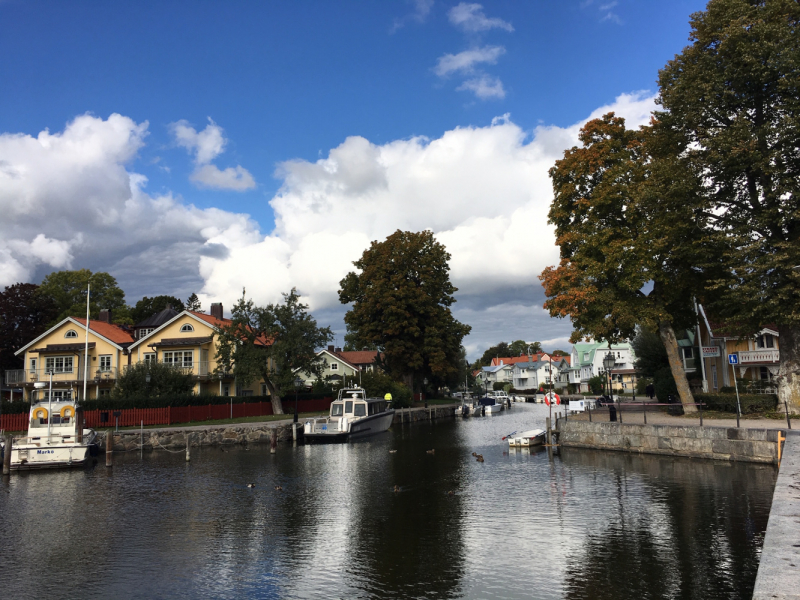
x: 414, y: 415
x: 212, y: 435
x: 720, y: 443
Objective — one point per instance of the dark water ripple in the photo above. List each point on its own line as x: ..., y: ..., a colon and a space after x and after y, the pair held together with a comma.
x: 523, y: 524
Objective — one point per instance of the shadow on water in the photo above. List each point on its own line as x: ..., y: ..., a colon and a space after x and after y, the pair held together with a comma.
x: 521, y: 524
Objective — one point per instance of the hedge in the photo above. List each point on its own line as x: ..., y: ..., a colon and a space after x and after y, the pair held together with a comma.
x: 751, y: 403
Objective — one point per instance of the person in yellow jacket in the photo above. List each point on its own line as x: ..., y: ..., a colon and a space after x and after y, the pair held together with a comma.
x: 388, y: 397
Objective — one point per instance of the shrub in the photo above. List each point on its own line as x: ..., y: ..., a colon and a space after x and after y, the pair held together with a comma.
x: 165, y: 380
x: 377, y: 384
x: 498, y: 386
x: 751, y: 403
x: 596, y: 384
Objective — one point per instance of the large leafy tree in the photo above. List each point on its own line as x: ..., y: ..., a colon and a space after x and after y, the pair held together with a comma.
x: 731, y: 104
x: 68, y: 291
x: 618, y: 216
x: 150, y: 306
x: 270, y: 343
x: 24, y: 315
x: 401, y: 299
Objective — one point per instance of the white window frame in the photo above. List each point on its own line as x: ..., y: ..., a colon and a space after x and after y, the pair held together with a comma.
x: 187, y: 328
x: 334, y: 366
x: 150, y: 357
x: 186, y: 358
x: 145, y: 331
x: 71, y: 334
x: 105, y: 363
x: 58, y: 364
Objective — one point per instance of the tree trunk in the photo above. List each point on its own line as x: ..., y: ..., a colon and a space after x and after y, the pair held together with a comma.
x: 789, y: 369
x: 277, y: 405
x: 667, y: 335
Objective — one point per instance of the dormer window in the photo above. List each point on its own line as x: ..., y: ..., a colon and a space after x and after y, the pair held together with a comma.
x: 71, y: 334
x: 187, y: 328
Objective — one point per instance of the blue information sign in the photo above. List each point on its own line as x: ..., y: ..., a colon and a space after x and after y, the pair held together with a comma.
x: 733, y: 359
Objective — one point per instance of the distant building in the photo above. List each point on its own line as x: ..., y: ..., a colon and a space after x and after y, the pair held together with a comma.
x: 586, y: 362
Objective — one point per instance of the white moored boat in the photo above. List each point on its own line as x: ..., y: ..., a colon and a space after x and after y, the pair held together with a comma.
x: 56, y: 438
x: 532, y: 437
x: 352, y: 416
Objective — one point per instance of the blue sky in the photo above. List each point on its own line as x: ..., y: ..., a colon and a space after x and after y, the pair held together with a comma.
x: 233, y: 114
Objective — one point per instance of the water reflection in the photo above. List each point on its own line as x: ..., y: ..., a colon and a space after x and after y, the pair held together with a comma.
x: 522, y: 524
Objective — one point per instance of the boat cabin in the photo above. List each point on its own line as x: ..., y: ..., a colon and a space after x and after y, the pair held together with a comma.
x: 353, y: 403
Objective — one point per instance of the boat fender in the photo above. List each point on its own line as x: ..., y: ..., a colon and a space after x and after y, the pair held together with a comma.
x: 307, y: 427
x: 343, y: 424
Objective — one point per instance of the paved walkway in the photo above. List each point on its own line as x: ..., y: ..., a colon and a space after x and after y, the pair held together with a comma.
x: 656, y: 417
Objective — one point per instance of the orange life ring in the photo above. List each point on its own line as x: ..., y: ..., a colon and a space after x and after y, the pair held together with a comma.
x: 552, y: 396
x: 40, y: 413
x: 67, y: 412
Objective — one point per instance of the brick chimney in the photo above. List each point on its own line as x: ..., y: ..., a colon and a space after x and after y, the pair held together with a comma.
x: 105, y: 316
x: 330, y: 348
x: 216, y: 310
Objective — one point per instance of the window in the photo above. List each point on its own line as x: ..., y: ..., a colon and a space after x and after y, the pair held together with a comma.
x: 179, y: 358
x: 58, y: 394
x: 226, y: 390
x: 33, y: 364
x: 764, y: 374
x: 334, y: 366
x: 71, y: 334
x: 360, y: 410
x: 264, y: 391
x: 348, y: 407
x: 105, y: 362
x: 145, y: 331
x: 765, y: 341
x: 149, y: 357
x: 187, y: 328
x: 58, y: 364
x: 105, y: 393
x: 336, y: 409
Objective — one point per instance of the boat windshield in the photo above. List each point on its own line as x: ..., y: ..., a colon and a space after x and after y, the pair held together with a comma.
x: 348, y: 407
x: 361, y: 410
x: 336, y: 409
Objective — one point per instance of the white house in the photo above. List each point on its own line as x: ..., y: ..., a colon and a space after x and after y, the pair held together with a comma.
x: 488, y: 376
x: 587, y: 361
x: 530, y: 375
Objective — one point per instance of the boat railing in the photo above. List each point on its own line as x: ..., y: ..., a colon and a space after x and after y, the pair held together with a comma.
x: 326, y: 425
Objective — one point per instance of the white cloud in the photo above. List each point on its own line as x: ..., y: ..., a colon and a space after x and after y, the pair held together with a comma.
x: 422, y: 8
x: 484, y: 191
x: 484, y: 87
x: 465, y: 61
x: 69, y: 201
x: 470, y: 18
x: 207, y: 145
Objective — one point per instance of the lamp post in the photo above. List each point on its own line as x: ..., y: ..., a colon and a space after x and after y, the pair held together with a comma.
x: 147, y: 383
x: 424, y: 386
x: 297, y: 383
x: 608, y: 363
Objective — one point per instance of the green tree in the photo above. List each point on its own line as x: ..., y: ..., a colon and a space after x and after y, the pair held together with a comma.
x: 193, y: 303
x: 559, y: 353
x: 147, y: 307
x: 521, y: 347
x: 270, y: 343
x: 401, y: 303
x: 353, y: 344
x: 652, y: 362
x: 165, y: 380
x: 377, y: 384
x: 617, y: 220
x: 731, y: 103
x: 497, y: 351
x: 24, y: 315
x: 68, y: 291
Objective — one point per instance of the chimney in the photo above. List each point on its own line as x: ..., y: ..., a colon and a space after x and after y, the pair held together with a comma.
x: 216, y: 310
x: 105, y: 316
x: 337, y: 350
x: 330, y: 348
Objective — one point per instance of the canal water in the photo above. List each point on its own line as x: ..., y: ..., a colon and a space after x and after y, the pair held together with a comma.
x: 575, y: 524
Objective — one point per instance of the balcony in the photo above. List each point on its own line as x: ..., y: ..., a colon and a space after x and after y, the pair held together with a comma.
x: 759, y: 357
x: 31, y: 376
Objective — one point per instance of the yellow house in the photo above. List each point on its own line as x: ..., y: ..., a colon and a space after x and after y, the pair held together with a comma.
x: 188, y: 341
x: 58, y: 356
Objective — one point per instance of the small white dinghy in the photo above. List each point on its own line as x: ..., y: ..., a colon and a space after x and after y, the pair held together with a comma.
x: 532, y: 437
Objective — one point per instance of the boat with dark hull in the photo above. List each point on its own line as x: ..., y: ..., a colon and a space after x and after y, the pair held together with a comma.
x: 352, y: 416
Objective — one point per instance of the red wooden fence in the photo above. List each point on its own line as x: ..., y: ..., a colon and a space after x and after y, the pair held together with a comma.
x: 132, y: 417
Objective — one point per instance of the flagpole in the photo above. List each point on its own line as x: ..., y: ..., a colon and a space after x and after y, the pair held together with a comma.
x: 86, y: 344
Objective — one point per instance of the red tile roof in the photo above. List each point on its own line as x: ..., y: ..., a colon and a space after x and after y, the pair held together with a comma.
x: 115, y: 333
x: 359, y: 357
x: 517, y: 359
x: 219, y: 323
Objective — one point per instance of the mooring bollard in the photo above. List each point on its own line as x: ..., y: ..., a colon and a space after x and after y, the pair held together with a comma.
x: 188, y: 445
x: 7, y: 455
x: 109, y: 448
x: 273, y: 441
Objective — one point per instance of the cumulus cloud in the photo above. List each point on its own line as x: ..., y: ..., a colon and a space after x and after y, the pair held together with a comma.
x: 484, y: 87
x: 207, y: 145
x: 69, y: 201
x: 465, y: 61
x: 483, y: 191
x: 470, y: 18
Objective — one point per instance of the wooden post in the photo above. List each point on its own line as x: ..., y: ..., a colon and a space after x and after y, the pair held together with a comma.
x: 7, y: 455
x: 644, y: 412
x: 273, y: 441
x: 590, y: 413
x: 549, y: 431
x: 109, y: 448
x: 786, y: 406
x: 188, y: 444
x: 780, y: 439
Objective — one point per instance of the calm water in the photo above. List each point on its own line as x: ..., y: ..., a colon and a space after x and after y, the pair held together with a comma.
x: 524, y: 524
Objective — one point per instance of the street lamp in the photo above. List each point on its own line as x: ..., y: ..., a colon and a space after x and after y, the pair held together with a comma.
x: 608, y: 363
x: 297, y: 383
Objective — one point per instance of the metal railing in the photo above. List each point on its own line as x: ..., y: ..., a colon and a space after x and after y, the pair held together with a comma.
x: 22, y: 376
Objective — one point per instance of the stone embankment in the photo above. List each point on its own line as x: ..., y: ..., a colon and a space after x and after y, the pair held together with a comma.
x: 721, y: 443
x: 174, y: 438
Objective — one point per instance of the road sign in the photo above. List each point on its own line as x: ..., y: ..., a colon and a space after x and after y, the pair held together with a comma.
x: 733, y: 359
